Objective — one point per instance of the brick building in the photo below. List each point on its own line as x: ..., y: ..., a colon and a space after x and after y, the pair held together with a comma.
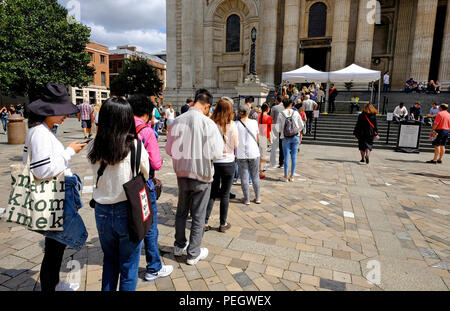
x: 98, y: 90
x: 119, y: 55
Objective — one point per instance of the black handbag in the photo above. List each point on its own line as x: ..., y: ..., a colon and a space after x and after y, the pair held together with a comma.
x: 140, y: 211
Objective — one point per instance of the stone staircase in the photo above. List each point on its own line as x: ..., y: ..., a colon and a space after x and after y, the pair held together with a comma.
x: 337, y: 130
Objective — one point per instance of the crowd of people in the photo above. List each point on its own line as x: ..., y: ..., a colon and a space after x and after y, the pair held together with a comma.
x: 210, y: 146
x: 8, y: 111
x: 430, y: 87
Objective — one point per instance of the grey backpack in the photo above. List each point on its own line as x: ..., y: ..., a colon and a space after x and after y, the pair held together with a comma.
x: 290, y: 128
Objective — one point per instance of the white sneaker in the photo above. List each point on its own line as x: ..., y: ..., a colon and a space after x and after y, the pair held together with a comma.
x: 177, y: 251
x: 66, y: 287
x: 165, y: 271
x: 203, y: 254
x: 284, y: 179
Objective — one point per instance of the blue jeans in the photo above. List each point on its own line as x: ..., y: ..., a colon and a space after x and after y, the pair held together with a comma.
x: 74, y: 232
x: 151, y: 239
x: 4, y: 122
x: 155, y: 129
x: 290, y: 150
x: 121, y: 256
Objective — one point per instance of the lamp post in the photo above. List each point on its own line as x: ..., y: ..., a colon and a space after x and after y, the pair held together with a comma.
x: 253, y: 52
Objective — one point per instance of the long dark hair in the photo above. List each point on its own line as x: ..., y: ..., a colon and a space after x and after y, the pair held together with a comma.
x: 35, y: 120
x: 116, y: 132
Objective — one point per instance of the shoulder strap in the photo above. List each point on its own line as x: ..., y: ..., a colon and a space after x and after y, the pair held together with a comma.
x: 141, y: 127
x: 369, y: 121
x: 133, y: 158
x: 100, y: 172
x: 251, y: 134
x: 138, y: 157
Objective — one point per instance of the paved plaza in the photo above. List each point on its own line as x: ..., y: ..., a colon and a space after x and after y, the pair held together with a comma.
x: 337, y: 224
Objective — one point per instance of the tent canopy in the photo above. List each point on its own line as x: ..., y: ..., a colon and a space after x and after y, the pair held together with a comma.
x: 355, y: 73
x: 305, y: 74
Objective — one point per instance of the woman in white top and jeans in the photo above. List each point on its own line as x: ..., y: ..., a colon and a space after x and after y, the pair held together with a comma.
x: 112, y: 148
x: 224, y: 167
x: 290, y: 144
x: 49, y: 158
x: 248, y: 154
x: 170, y: 117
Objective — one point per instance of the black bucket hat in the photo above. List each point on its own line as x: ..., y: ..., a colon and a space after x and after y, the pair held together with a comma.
x: 55, y: 101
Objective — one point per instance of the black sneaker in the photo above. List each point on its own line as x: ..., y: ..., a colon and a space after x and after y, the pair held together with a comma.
x: 207, y: 228
x: 362, y: 161
x: 232, y: 196
x: 439, y: 162
x: 367, y: 160
x: 432, y: 162
x: 90, y: 135
x: 224, y: 228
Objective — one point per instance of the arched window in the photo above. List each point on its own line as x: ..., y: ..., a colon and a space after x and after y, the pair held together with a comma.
x: 317, y: 20
x: 233, y: 33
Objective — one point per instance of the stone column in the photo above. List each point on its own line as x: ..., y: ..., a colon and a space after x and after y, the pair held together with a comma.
x: 290, y: 39
x: 423, y: 39
x: 341, y: 25
x: 171, y: 42
x: 364, y: 36
x: 187, y: 39
x: 400, y: 70
x: 444, y: 69
x: 268, y: 37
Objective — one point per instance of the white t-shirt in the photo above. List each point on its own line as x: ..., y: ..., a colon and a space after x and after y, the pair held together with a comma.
x: 170, y: 115
x: 386, y: 79
x: 248, y: 147
x: 295, y: 117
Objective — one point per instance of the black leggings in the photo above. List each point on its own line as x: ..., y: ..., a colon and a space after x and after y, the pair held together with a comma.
x: 221, y: 186
x: 51, y: 264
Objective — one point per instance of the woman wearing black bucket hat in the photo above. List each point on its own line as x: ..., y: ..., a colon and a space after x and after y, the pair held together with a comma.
x: 48, y: 159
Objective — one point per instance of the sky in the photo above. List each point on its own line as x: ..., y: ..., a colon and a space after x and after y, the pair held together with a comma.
x: 140, y: 23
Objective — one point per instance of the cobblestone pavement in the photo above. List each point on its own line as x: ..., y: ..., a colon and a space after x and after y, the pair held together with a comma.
x: 337, y: 224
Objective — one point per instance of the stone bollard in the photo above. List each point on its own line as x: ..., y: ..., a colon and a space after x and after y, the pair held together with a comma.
x: 17, y: 130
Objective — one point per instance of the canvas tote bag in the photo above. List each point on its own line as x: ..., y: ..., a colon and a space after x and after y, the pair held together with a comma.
x: 36, y: 204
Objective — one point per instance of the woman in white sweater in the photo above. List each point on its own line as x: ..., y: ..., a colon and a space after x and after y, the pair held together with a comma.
x: 110, y: 153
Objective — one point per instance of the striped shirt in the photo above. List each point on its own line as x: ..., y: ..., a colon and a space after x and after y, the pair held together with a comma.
x: 86, y: 111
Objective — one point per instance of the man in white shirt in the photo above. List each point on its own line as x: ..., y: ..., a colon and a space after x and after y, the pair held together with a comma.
x: 400, y: 113
x: 193, y: 142
x: 309, y: 106
x: 386, y: 82
x: 277, y: 143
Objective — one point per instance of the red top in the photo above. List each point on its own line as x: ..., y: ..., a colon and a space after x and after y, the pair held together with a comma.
x: 443, y: 120
x: 265, y: 127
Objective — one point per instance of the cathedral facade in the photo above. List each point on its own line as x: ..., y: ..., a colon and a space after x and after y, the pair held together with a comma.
x: 209, y: 41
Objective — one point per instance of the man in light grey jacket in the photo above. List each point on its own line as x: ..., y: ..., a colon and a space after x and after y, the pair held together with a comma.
x: 194, y: 142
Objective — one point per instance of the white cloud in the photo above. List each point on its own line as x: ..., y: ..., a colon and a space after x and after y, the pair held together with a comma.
x: 147, y: 41
x: 140, y: 23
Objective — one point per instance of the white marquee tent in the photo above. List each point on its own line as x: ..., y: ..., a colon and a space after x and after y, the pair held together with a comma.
x: 352, y: 73
x: 304, y: 74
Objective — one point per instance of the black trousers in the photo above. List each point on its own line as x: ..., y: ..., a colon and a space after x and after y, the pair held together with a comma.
x: 51, y: 264
x: 221, y: 187
x: 332, y: 106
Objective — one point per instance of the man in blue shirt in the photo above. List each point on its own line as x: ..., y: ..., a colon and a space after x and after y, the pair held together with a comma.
x: 415, y: 112
x: 434, y: 110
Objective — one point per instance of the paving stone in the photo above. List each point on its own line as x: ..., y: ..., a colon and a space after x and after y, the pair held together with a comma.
x: 252, y: 257
x: 198, y: 285
x: 332, y: 263
x: 291, y: 276
x: 260, y: 268
x: 342, y: 277
x: 302, y: 268
x: 332, y: 284
x: 323, y: 273
x: 225, y: 276
x: 310, y: 280
x: 427, y: 253
x: 274, y: 271
x: 238, y: 263
x: 192, y: 275
x: 264, y: 249
x: 242, y: 279
x: 263, y: 285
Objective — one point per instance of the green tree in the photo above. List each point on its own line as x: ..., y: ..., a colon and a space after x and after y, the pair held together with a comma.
x: 138, y: 76
x: 39, y: 45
